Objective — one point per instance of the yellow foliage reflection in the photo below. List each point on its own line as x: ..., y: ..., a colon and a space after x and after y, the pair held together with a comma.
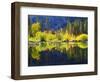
x: 43, y: 46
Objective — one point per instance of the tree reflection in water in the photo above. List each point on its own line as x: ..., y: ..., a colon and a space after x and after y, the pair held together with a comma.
x: 57, y: 53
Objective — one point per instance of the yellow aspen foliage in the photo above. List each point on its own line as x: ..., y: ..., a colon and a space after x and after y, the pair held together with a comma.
x: 82, y: 37
x: 35, y: 27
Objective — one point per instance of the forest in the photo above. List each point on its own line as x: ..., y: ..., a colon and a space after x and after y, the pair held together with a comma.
x: 57, y: 29
x: 57, y: 40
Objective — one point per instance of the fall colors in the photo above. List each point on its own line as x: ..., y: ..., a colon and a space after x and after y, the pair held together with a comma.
x: 72, y: 31
x: 57, y: 40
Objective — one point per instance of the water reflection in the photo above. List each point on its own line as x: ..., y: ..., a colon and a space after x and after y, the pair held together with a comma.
x: 51, y: 53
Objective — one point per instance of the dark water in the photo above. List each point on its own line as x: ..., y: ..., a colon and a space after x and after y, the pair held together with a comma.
x: 46, y: 53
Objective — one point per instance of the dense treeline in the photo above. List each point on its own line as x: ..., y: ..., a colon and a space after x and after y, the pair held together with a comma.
x: 57, y: 29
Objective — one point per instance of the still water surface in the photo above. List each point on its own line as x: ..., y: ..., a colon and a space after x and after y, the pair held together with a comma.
x: 65, y: 53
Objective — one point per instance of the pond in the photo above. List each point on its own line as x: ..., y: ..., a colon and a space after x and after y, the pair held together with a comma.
x: 57, y: 53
